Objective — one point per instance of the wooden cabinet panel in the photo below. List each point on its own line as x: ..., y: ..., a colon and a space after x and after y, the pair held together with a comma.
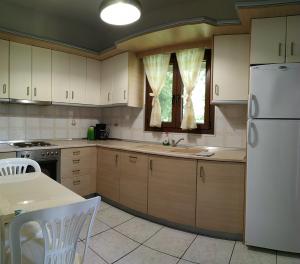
x: 60, y: 77
x: 220, y: 196
x: 108, y: 177
x: 41, y: 74
x: 82, y: 184
x: 7, y: 155
x: 20, y: 71
x: 172, y: 189
x: 293, y: 39
x: 268, y: 40
x: 92, y: 93
x: 134, y: 181
x: 4, y: 62
x: 231, y: 68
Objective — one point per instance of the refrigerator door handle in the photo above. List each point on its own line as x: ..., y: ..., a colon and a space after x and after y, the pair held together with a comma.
x: 252, y: 105
x: 252, y: 138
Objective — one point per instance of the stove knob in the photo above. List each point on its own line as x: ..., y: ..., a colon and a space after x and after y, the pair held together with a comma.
x: 22, y: 156
x: 27, y: 155
x: 43, y: 154
x: 56, y: 152
x: 52, y: 153
x: 47, y: 153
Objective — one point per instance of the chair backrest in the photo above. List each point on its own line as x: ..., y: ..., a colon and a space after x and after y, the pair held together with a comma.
x: 17, y: 166
x: 60, y: 226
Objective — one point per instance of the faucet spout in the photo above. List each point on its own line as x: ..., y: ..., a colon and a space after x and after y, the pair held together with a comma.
x: 175, y: 143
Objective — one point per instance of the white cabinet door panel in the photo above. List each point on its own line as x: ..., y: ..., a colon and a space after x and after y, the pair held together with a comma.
x: 4, y: 62
x: 41, y: 74
x: 92, y: 95
x: 106, y: 82
x: 293, y: 39
x: 20, y: 71
x: 77, y: 78
x: 120, y: 79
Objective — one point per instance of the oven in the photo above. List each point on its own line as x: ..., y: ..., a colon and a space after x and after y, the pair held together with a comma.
x: 48, y: 159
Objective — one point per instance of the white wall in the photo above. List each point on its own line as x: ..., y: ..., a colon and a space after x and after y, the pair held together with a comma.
x: 230, y: 126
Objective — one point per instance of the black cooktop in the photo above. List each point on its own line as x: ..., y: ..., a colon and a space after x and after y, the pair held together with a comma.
x: 31, y: 144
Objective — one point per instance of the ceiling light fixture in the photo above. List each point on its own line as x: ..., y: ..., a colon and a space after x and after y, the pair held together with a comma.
x: 120, y: 12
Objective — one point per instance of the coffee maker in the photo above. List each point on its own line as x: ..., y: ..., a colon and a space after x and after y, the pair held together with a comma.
x: 101, y: 132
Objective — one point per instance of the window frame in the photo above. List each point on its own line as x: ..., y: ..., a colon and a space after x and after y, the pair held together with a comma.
x: 177, y: 102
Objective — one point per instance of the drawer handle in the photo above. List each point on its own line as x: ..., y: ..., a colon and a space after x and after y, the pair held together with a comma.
x: 133, y: 159
x: 75, y: 171
x: 76, y: 182
x: 76, y: 153
x: 4, y: 88
x: 76, y: 161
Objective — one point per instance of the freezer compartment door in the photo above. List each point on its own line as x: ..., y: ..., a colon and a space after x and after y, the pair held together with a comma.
x: 275, y: 91
x: 273, y: 185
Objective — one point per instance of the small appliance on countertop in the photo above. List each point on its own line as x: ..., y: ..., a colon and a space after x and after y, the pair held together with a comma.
x: 91, y: 133
x: 101, y: 132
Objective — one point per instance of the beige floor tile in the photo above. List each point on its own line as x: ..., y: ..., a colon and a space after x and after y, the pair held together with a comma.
x: 111, y: 245
x: 98, y: 227
x: 103, y: 206
x: 285, y: 258
x: 144, y: 255
x: 138, y: 229
x: 206, y: 250
x: 171, y: 241
x: 91, y: 257
x: 182, y: 261
x: 113, y: 216
x: 244, y: 255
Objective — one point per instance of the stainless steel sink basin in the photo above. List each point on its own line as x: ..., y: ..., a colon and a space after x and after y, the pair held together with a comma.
x: 177, y: 149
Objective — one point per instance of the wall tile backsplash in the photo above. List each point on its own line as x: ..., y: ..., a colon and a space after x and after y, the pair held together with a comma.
x: 27, y: 122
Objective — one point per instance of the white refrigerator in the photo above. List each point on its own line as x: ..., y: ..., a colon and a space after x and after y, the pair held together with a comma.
x: 273, y: 158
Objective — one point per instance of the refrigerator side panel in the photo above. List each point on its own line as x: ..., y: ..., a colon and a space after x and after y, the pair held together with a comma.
x: 273, y: 185
x: 275, y: 91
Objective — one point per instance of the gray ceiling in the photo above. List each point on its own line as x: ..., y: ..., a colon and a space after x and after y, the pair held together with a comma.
x: 77, y: 22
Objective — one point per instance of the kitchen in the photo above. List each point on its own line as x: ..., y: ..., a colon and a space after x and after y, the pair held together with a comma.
x: 172, y: 125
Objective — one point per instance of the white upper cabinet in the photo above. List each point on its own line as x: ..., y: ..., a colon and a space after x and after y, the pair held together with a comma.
x: 4, y: 62
x: 20, y: 71
x: 77, y: 79
x: 107, y: 74
x: 92, y: 92
x: 41, y: 74
x: 231, y: 69
x: 60, y: 77
x: 293, y: 39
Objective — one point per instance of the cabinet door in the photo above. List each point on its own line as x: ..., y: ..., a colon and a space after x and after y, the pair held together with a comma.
x: 220, y: 196
x: 268, y: 40
x: 134, y: 181
x: 60, y: 77
x: 231, y: 68
x: 41, y: 74
x: 172, y: 189
x: 20, y: 71
x: 92, y: 93
x: 293, y: 39
x: 108, y: 178
x: 4, y: 62
x: 106, y: 82
x: 77, y: 79
x: 120, y: 79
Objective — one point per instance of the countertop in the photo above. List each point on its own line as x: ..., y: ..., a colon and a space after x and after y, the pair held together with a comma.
x: 220, y: 153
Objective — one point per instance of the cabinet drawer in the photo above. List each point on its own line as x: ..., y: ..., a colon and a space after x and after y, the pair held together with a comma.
x: 82, y: 185
x: 73, y: 172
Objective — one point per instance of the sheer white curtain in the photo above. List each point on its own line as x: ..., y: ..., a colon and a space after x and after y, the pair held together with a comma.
x: 156, y: 68
x: 189, y: 62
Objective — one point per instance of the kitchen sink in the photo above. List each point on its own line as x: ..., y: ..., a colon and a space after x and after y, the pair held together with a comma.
x: 187, y: 150
x: 177, y: 149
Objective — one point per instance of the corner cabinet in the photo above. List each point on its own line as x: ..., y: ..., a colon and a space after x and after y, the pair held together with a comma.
x: 220, y: 197
x: 4, y: 70
x: 231, y: 69
x: 275, y: 40
x: 122, y: 81
x: 92, y: 92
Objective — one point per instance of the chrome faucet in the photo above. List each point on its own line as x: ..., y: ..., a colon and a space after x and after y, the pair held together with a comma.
x: 175, y: 143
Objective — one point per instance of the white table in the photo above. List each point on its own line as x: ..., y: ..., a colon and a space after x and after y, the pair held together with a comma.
x: 29, y: 192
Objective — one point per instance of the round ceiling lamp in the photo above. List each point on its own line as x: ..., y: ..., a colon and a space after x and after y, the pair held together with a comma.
x: 120, y: 12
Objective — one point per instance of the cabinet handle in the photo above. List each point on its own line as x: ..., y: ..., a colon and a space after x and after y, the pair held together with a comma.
x: 217, y: 89
x: 4, y: 88
x: 27, y: 90
x: 73, y: 95
x: 133, y: 159
x: 108, y: 96
x: 76, y: 153
x: 124, y: 95
x: 34, y: 91
x: 292, y: 48
x: 67, y: 94
x: 279, y: 49
x: 202, y: 173
x: 76, y: 182
x: 75, y: 171
x: 116, y: 159
x: 76, y: 161
x: 151, y: 164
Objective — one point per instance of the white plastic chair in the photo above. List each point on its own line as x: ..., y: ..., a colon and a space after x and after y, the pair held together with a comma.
x: 17, y: 166
x: 60, y: 227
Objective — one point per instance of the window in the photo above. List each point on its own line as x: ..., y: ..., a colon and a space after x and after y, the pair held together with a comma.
x: 172, y: 103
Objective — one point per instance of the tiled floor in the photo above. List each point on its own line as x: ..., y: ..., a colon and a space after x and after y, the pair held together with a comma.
x: 120, y: 238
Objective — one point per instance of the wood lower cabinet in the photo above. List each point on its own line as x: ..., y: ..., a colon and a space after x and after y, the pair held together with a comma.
x: 134, y: 180
x: 108, y: 178
x: 79, y: 169
x: 172, y: 189
x: 220, y: 196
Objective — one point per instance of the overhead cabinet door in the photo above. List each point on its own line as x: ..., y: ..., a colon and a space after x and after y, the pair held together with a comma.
x: 41, y: 74
x: 20, y: 71
x: 293, y: 39
x: 120, y: 80
x: 106, y: 82
x: 92, y: 93
x: 4, y: 62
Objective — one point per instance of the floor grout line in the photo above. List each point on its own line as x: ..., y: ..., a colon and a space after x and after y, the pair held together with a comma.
x: 232, y: 252
x: 127, y: 253
x: 188, y: 247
